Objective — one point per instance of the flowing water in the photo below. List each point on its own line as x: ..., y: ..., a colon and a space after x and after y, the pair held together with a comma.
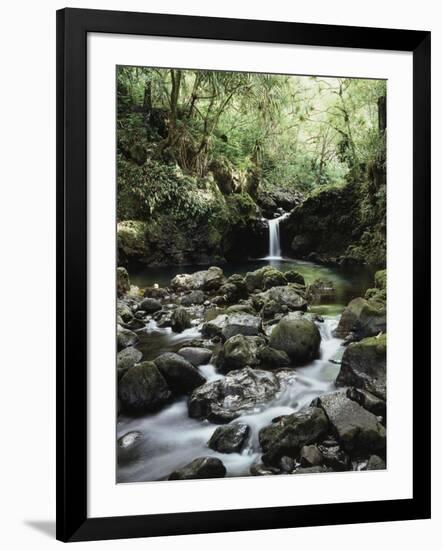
x: 274, y: 238
x: 170, y: 439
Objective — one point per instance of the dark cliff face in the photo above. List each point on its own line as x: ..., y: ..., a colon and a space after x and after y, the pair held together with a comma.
x: 339, y: 224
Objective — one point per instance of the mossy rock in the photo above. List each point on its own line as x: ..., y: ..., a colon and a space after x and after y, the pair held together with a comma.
x: 297, y: 337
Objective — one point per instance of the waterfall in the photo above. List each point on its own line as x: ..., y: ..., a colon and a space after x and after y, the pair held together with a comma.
x: 274, y: 238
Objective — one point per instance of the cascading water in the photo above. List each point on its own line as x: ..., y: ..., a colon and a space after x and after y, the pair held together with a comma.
x: 274, y: 238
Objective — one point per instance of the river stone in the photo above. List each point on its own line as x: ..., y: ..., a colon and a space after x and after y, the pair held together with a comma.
x: 271, y: 358
x: 239, y: 393
x: 195, y: 297
x: 181, y: 376
x: 368, y: 401
x: 254, y: 279
x: 210, y: 279
x: 293, y: 276
x: 297, y: 337
x: 358, y: 430
x: 127, y: 357
x: 364, y: 366
x: 238, y: 352
x: 272, y: 278
x: 288, y: 434
x: 123, y: 283
x: 124, y: 311
x: 335, y: 458
x: 239, y: 282
x: 180, y: 319
x: 150, y: 305
x: 213, y: 278
x: 229, y: 439
x: 143, y: 389
x: 128, y: 446
x: 200, y: 468
x: 376, y: 463
x: 362, y: 318
x: 310, y: 455
x: 229, y: 325
x: 280, y: 299
x: 125, y: 338
x: 196, y: 356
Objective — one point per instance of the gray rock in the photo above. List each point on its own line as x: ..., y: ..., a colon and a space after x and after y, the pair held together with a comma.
x: 128, y: 357
x: 180, y: 319
x: 364, y: 366
x: 270, y: 358
x: 310, y: 455
x: 124, y: 311
x: 128, y: 446
x: 368, y: 401
x: 227, y: 326
x: 280, y: 299
x: 181, y: 376
x: 376, y: 463
x: 358, y: 430
x: 238, y: 352
x: 210, y: 279
x: 335, y: 458
x: 143, y: 389
x: 297, y: 337
x: 229, y: 439
x: 196, y: 356
x: 195, y: 297
x: 221, y: 401
x: 362, y: 318
x: 125, y: 338
x: 288, y: 434
x: 150, y: 305
x: 200, y: 468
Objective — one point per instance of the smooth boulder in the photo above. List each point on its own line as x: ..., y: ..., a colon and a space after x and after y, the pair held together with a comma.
x: 229, y: 439
x: 200, y: 468
x: 127, y: 358
x: 297, y: 337
x: 181, y: 376
x: 149, y: 305
x: 238, y: 352
x: 143, y: 389
x: 180, y: 320
x: 227, y: 326
x: 196, y: 356
x: 125, y: 338
x: 362, y: 318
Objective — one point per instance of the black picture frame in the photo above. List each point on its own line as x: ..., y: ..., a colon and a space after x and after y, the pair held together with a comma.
x: 73, y: 25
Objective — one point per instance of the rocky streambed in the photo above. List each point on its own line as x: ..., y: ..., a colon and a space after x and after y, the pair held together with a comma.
x: 249, y: 374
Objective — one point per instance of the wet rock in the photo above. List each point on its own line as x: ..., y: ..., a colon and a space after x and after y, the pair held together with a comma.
x: 254, y: 280
x: 238, y: 352
x: 358, y: 430
x: 362, y: 319
x: 195, y: 297
x: 272, y: 278
x: 229, y: 439
x: 124, y: 311
x: 239, y: 282
x: 280, y: 299
x: 297, y: 337
x: 123, y: 283
x: 240, y: 392
x: 128, y: 446
x: 293, y: 276
x: 376, y: 463
x: 263, y: 470
x: 150, y: 305
x: 195, y: 355
x: 287, y: 464
x: 181, y: 376
x: 335, y: 458
x: 180, y: 320
x: 143, y: 389
x: 288, y: 434
x: 272, y: 359
x: 156, y: 292
x: 321, y: 292
x: 127, y: 358
x: 310, y: 455
x: 368, y: 401
x: 230, y: 325
x: 125, y: 338
x: 364, y: 366
x: 200, y: 468
x: 210, y: 279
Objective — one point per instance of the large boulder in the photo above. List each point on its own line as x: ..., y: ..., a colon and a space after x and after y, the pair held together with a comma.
x: 288, y: 434
x: 272, y: 359
x: 298, y: 337
x: 181, y: 376
x: 362, y: 318
x: 196, y: 356
x: 255, y: 280
x: 123, y: 283
x: 293, y: 276
x: 358, y: 430
x: 200, y: 468
x: 369, y: 401
x: 364, y: 366
x: 180, y: 319
x: 194, y: 297
x: 239, y: 393
x: 143, y: 389
x: 238, y: 352
x: 127, y: 358
x: 280, y: 299
x: 226, y: 326
x: 125, y: 338
x: 210, y: 279
x: 230, y: 438
x: 149, y: 305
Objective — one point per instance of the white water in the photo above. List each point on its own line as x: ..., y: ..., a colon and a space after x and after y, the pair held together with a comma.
x: 274, y: 238
x: 170, y: 439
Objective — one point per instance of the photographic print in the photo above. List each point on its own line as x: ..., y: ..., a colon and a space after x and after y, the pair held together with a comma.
x: 251, y: 274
